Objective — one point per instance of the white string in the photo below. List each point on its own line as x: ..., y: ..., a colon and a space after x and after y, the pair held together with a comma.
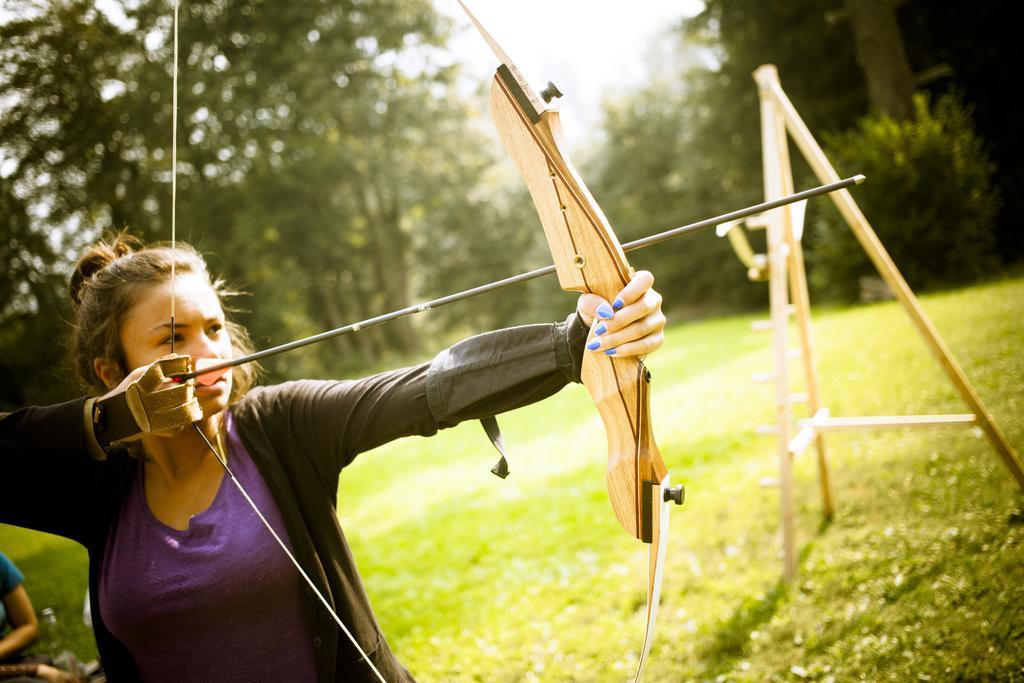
x: 174, y: 163
x: 220, y: 458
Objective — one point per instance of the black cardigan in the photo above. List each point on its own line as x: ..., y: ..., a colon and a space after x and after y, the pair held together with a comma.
x: 300, y: 435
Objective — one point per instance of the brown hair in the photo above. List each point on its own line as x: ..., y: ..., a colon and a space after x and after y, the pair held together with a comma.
x: 104, y: 287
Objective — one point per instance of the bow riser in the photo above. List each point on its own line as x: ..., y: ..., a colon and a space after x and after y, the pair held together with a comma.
x: 587, y: 258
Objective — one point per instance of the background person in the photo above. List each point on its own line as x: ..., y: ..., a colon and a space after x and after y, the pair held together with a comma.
x: 16, y: 612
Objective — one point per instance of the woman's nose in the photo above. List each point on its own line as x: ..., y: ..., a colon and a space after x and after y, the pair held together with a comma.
x: 202, y: 346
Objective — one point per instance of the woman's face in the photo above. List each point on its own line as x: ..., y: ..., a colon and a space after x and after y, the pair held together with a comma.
x: 199, y: 331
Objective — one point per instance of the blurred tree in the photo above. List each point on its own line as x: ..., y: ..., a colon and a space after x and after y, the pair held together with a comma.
x: 54, y: 133
x: 657, y: 171
x: 881, y: 54
x: 31, y: 306
x: 932, y: 200
x: 969, y: 49
x: 687, y: 145
x: 322, y: 151
x: 819, y: 46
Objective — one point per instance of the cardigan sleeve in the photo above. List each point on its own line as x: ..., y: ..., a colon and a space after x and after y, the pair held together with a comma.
x: 333, y: 421
x: 44, y: 454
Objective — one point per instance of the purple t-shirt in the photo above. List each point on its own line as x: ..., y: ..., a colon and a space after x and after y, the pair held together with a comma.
x: 216, y: 602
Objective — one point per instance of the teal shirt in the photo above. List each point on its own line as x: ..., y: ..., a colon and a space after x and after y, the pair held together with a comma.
x: 10, y: 578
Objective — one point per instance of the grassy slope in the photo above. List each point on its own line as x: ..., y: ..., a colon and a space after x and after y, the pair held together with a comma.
x: 530, y: 578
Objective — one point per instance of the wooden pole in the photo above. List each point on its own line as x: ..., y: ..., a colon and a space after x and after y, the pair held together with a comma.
x: 772, y: 131
x: 865, y: 234
x: 802, y: 303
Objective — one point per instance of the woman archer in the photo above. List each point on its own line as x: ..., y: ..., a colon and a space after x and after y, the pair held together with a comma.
x: 185, y: 582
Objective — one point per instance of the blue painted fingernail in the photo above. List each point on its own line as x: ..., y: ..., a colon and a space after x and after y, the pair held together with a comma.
x: 619, y: 303
x: 610, y: 352
x: 594, y: 345
x: 605, y: 311
x: 600, y: 329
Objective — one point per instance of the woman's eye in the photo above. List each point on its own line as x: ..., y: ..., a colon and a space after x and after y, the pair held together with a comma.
x: 216, y: 328
x: 167, y: 340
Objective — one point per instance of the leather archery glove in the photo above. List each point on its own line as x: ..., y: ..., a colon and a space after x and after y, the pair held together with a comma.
x: 146, y: 402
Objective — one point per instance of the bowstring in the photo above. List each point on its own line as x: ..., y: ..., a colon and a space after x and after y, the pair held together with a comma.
x: 174, y: 164
x: 231, y: 475
x: 220, y: 457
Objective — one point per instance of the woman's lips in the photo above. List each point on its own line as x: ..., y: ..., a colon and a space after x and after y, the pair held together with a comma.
x: 215, y: 387
x: 210, y: 378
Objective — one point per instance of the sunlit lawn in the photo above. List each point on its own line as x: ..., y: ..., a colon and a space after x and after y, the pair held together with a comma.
x: 530, y: 578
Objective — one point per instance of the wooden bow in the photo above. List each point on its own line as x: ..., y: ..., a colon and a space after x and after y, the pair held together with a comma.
x: 589, y: 259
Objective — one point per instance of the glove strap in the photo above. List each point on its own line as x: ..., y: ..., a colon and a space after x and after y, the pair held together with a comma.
x: 112, y: 419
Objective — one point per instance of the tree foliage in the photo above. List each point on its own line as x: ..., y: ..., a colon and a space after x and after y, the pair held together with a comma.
x: 972, y: 47
x: 686, y: 145
x: 329, y: 164
x: 324, y: 157
x: 932, y: 199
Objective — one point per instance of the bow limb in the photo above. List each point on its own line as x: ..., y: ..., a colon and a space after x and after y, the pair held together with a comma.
x: 656, y: 568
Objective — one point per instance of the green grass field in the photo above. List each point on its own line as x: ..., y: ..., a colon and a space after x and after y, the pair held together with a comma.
x: 919, y: 577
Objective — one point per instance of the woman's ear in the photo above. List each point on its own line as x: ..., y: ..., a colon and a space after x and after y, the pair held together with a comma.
x: 108, y: 371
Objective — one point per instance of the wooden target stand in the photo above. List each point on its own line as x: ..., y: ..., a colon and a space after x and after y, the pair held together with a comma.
x: 783, y: 267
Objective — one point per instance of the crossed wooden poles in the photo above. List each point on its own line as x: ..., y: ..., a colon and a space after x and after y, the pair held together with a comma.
x: 783, y: 267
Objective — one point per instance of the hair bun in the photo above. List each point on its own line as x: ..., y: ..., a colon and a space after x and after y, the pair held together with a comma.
x: 97, y: 257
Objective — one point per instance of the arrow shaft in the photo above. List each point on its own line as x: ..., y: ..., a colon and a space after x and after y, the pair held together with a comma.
x: 522, y: 277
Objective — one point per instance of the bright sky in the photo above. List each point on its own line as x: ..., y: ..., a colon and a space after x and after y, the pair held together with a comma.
x: 589, y: 48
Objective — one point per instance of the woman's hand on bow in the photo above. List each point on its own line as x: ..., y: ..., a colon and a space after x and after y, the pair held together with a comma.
x: 631, y: 325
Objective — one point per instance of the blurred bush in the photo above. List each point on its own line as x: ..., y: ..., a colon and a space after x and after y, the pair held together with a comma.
x: 930, y: 196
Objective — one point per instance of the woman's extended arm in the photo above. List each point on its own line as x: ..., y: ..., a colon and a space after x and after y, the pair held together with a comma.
x: 25, y: 627
x: 485, y: 375
x: 332, y: 422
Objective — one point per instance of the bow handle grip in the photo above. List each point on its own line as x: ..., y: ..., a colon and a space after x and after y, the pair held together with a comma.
x: 620, y: 389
